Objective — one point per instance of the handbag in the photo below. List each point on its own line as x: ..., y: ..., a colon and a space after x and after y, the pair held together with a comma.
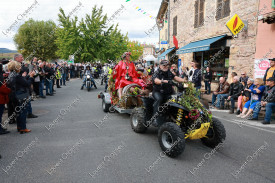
x: 21, y: 94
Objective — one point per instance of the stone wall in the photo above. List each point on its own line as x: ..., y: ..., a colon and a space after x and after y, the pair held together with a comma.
x: 242, y: 48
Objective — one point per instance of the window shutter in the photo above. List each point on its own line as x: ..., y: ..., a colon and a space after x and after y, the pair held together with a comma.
x: 196, y: 22
x: 226, y: 8
x: 273, y: 3
x: 175, y: 25
x: 201, y: 14
x: 219, y: 10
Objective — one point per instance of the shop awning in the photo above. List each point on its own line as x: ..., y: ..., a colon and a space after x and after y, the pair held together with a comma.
x: 162, y: 56
x: 202, y: 45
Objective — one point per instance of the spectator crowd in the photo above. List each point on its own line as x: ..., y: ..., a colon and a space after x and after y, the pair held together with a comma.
x: 22, y: 82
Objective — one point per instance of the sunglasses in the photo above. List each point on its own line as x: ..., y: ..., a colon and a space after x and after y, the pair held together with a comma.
x: 242, y: 74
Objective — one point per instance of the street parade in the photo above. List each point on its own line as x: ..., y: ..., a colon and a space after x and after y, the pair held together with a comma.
x: 137, y: 91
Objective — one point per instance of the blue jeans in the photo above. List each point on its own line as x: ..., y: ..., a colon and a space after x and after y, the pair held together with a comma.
x: 49, y: 86
x: 29, y: 108
x: 207, y: 87
x: 197, y: 89
x: 220, y: 100
x: 232, y: 101
x: 41, y: 88
x: 268, y: 111
x: 63, y: 79
x: 2, y: 107
x: 22, y: 115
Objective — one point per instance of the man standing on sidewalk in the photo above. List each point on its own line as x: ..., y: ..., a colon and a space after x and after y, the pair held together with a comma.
x: 270, y: 72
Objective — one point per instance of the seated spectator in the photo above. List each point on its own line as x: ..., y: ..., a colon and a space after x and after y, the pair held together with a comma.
x: 268, y: 101
x: 244, y: 78
x: 256, y: 95
x: 220, y: 94
x: 245, y: 96
x: 233, y: 74
x: 234, y: 92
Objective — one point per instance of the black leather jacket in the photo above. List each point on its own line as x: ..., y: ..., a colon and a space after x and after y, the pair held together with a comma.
x: 269, y: 94
x: 235, y: 89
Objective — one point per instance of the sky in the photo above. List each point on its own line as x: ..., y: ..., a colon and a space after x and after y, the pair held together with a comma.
x: 15, y: 12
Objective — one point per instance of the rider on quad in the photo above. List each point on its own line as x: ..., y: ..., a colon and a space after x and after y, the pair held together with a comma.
x: 87, y: 71
x: 162, y: 86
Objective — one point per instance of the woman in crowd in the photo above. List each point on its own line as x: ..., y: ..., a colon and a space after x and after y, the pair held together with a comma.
x: 36, y: 80
x: 184, y: 72
x: 4, y: 99
x: 208, y: 80
x: 174, y: 70
x: 20, y: 92
x: 256, y: 95
x: 245, y: 96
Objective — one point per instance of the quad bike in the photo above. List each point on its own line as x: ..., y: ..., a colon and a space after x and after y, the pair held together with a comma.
x: 181, y: 117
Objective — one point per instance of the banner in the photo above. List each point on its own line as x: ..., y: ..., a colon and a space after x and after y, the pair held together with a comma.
x: 260, y: 66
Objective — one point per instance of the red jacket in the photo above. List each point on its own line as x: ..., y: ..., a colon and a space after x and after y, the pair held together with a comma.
x: 4, y: 94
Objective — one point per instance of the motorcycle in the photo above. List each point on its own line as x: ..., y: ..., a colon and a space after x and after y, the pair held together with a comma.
x: 180, y: 118
x: 88, y: 83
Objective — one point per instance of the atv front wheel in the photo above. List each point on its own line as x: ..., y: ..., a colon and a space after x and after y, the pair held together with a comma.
x: 138, y: 120
x: 215, y: 135
x: 171, y: 139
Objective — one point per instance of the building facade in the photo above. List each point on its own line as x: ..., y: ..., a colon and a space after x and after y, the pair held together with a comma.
x: 265, y: 42
x: 204, y: 22
x: 163, y: 25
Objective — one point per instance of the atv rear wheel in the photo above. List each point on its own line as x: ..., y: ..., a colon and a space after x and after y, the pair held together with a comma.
x: 105, y: 106
x: 215, y: 135
x: 171, y: 139
x: 138, y: 120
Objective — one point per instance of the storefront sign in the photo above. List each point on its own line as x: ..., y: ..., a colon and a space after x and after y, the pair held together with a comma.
x: 260, y: 66
x: 235, y: 25
x: 164, y: 42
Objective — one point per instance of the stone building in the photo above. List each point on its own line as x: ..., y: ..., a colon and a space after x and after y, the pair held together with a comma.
x: 200, y: 28
x: 162, y: 21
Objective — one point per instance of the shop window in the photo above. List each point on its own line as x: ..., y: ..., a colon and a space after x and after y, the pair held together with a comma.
x: 217, y: 60
x: 199, y: 13
x: 223, y: 9
x: 175, y: 26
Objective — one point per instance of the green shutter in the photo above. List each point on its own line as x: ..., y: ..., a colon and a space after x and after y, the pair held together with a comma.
x: 273, y: 3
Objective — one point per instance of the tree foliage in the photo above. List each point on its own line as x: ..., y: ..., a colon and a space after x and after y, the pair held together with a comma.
x: 91, y: 38
x: 34, y: 38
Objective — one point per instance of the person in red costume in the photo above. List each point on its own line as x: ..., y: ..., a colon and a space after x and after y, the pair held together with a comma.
x: 125, y: 74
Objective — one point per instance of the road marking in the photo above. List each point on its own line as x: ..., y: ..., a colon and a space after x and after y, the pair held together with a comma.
x: 243, y: 124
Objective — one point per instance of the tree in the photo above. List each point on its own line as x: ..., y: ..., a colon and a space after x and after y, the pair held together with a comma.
x: 89, y: 39
x: 34, y: 38
x: 135, y: 48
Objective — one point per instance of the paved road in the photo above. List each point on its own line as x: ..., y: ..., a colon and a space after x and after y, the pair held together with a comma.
x: 73, y: 140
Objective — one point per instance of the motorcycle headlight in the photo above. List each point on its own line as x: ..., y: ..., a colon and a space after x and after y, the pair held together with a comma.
x: 88, y: 77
